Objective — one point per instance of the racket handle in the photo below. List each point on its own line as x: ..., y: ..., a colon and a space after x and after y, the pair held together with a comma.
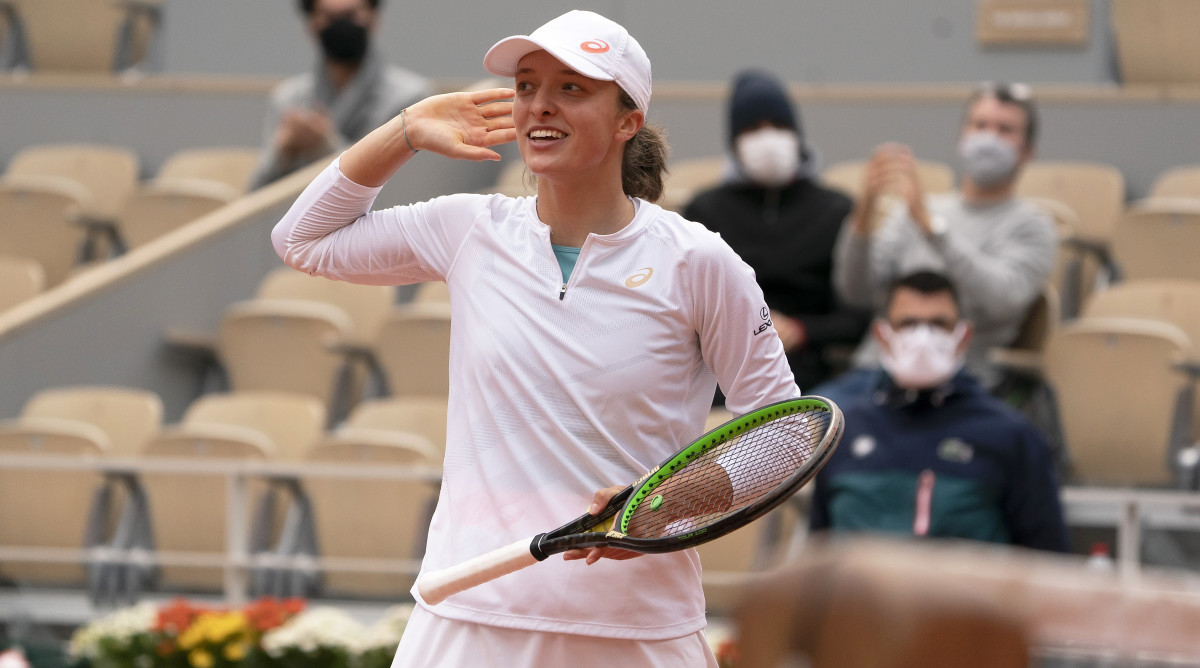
x: 435, y: 587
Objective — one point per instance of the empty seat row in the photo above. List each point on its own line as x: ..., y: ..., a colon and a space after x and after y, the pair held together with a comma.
x: 185, y: 512
x: 1119, y: 384
x: 63, y: 205
x: 329, y: 339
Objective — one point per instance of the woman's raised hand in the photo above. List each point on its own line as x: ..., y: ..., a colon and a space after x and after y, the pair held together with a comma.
x: 462, y: 125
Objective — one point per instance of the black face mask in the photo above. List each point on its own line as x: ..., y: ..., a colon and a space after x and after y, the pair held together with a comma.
x: 344, y: 41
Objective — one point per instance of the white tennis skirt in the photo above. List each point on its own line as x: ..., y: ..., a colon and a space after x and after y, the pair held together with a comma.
x: 430, y: 641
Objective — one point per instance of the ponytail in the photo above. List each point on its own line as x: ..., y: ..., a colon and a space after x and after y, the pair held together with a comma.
x: 645, y: 159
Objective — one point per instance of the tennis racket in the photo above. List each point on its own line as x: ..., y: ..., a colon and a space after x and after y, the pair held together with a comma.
x: 720, y: 482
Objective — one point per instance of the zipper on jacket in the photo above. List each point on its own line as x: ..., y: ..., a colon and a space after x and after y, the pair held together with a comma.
x: 563, y: 292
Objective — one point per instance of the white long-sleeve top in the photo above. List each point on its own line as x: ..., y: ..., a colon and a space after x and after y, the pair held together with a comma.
x: 558, y: 390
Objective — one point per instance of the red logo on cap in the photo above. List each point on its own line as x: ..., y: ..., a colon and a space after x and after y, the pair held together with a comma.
x: 594, y: 46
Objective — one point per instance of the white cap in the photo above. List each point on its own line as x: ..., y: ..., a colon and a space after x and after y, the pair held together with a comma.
x: 586, y: 42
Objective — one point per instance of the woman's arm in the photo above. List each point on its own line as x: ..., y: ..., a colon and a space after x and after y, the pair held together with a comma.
x: 456, y: 125
x: 328, y: 230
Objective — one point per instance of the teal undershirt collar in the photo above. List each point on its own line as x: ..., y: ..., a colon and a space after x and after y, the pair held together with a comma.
x: 567, y: 256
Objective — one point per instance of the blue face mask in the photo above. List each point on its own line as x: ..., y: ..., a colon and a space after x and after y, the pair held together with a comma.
x: 987, y: 159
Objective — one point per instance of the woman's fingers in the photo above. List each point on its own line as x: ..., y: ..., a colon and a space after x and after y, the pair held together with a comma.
x: 490, y: 94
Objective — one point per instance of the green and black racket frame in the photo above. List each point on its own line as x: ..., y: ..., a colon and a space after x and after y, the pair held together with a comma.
x: 720, y: 482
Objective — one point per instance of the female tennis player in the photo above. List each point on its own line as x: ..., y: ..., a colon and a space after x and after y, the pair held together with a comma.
x: 590, y: 330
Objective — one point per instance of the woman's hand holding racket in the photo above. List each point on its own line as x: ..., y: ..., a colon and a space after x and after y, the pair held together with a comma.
x: 727, y: 478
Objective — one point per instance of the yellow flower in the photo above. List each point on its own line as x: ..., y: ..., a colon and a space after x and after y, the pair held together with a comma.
x: 200, y: 659
x: 223, y: 625
x: 236, y: 651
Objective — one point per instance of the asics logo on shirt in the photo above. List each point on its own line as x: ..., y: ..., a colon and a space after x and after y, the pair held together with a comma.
x: 639, y: 278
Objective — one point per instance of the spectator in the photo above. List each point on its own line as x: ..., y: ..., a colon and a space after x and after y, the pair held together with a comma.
x: 928, y: 451
x: 350, y: 92
x: 998, y: 249
x: 783, y: 223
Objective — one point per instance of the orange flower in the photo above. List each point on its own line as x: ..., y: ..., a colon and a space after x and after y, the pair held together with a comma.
x: 175, y: 617
x: 268, y: 613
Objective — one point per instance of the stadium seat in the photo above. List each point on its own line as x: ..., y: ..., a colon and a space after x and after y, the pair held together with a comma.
x: 20, y: 279
x: 1123, y: 406
x: 231, y: 166
x: 50, y: 508
x: 162, y: 206
x: 189, y: 511
x: 283, y: 345
x: 82, y: 421
x: 424, y: 416
x: 40, y: 217
x: 685, y: 178
x: 1176, y: 301
x: 86, y: 35
x: 291, y: 422
x: 1157, y: 238
x: 1154, y: 41
x: 1182, y: 181
x: 413, y: 350
x: 1082, y: 267
x: 1094, y: 191
x: 366, y: 305
x: 371, y: 519
x: 109, y: 173
x: 1173, y: 301
x: 1041, y: 319
x: 127, y: 416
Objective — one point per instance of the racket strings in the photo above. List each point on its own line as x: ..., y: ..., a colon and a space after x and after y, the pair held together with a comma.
x: 730, y: 476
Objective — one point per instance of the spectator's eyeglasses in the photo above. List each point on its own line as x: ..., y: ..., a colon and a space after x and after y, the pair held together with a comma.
x: 1006, y: 92
x: 944, y: 324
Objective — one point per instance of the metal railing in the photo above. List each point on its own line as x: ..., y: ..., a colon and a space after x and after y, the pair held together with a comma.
x: 1126, y: 510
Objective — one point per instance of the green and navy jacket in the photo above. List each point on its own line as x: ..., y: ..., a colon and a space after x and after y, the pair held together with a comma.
x: 953, y: 462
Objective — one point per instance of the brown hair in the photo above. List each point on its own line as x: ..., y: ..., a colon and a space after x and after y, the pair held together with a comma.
x: 1016, y: 94
x: 645, y: 159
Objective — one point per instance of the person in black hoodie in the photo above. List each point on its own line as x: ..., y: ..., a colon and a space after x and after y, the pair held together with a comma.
x: 773, y: 213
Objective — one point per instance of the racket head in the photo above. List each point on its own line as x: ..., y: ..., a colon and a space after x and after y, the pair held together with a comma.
x: 767, y: 455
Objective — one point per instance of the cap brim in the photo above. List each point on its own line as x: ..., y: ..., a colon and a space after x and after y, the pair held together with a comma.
x: 503, y: 57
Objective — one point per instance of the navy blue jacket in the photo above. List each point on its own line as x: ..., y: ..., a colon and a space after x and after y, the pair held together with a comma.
x: 951, y: 462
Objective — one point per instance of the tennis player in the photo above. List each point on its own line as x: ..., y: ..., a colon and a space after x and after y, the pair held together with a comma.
x: 590, y: 330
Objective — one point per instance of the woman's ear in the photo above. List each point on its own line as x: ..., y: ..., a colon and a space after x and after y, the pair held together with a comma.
x: 630, y: 122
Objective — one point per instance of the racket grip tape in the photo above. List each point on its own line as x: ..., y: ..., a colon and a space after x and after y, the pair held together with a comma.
x: 436, y: 586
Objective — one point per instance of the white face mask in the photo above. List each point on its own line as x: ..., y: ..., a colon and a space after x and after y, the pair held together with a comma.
x: 987, y: 158
x: 923, y: 356
x: 769, y: 156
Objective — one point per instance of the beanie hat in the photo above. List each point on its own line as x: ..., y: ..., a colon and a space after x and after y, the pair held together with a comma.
x: 758, y: 96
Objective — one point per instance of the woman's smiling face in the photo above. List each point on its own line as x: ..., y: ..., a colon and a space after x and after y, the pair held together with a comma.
x: 567, y: 122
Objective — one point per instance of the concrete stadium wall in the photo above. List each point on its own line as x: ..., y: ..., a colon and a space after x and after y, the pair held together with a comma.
x: 807, y: 41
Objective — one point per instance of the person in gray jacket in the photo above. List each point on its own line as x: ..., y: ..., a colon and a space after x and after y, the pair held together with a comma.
x: 996, y: 247
x: 350, y: 92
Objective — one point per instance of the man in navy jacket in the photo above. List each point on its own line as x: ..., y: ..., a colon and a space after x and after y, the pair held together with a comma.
x: 928, y: 451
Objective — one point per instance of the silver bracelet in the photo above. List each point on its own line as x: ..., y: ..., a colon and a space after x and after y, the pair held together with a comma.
x: 404, y: 129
